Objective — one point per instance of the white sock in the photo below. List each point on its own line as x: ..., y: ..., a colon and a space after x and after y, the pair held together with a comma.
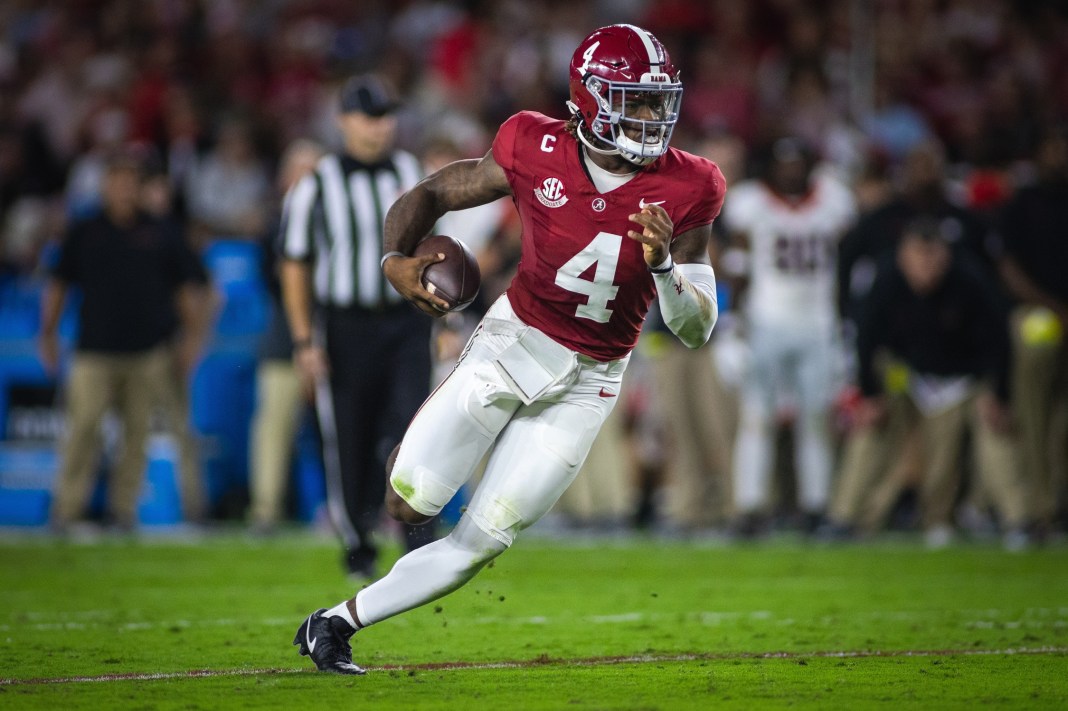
x: 342, y: 611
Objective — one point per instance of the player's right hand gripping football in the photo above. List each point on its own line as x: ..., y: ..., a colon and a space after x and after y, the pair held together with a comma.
x: 406, y: 276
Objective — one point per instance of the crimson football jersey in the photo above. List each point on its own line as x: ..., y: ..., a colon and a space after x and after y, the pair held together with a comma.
x: 581, y: 280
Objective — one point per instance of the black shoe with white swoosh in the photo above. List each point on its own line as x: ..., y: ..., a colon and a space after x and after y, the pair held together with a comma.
x: 326, y: 641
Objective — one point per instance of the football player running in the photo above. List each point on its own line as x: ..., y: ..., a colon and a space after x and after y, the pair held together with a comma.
x: 612, y: 217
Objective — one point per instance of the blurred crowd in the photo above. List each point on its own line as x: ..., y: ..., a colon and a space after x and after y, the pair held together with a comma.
x: 944, y: 120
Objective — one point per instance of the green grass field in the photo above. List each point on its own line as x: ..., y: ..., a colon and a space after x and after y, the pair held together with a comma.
x: 624, y: 624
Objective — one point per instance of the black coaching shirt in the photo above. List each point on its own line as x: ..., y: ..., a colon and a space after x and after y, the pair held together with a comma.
x: 1035, y: 230
x: 129, y: 278
x: 961, y: 328
x: 333, y: 220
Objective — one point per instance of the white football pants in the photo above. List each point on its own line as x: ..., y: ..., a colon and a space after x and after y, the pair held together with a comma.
x: 802, y: 364
x: 536, y: 450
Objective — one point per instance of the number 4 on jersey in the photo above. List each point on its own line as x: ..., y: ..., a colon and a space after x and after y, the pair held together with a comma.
x: 604, y: 252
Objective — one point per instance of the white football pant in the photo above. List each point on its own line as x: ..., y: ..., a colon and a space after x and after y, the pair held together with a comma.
x: 537, y: 450
x: 803, y: 363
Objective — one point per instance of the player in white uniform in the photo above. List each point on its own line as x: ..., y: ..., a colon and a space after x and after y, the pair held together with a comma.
x: 792, y: 219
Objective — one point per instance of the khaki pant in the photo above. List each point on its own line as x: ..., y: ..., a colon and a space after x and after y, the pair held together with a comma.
x: 97, y: 382
x: 1040, y: 405
x: 874, y: 471
x: 871, y: 475
x: 174, y: 398
x: 700, y: 416
x: 278, y: 409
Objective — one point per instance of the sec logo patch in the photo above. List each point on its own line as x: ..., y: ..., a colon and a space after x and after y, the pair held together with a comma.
x: 551, y: 193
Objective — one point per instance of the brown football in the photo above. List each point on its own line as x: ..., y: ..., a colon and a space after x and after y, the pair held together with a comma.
x: 457, y: 278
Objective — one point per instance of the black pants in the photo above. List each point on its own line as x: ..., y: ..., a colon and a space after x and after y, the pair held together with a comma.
x: 379, y: 376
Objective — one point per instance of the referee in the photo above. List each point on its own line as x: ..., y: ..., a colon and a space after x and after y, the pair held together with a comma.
x: 364, y: 350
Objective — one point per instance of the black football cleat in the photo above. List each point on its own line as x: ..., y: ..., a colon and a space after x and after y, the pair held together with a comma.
x: 326, y: 641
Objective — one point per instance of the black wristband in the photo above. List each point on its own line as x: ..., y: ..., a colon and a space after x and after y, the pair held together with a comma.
x: 665, y: 270
x: 302, y: 344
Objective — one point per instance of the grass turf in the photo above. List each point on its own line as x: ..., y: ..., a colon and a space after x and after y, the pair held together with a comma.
x: 626, y: 624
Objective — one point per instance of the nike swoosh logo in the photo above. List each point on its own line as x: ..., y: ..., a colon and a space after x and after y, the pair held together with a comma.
x: 642, y: 204
x: 312, y: 641
x: 605, y: 393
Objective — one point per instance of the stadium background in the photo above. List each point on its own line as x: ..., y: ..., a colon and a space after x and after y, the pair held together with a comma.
x: 862, y: 81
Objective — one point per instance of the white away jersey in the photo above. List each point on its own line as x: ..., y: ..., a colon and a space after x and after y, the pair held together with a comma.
x: 792, y: 248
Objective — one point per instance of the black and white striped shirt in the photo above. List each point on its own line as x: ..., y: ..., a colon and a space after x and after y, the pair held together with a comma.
x: 333, y: 219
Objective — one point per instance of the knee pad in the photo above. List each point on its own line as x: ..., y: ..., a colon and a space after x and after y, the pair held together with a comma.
x: 495, y: 518
x: 422, y: 489
x: 470, y: 536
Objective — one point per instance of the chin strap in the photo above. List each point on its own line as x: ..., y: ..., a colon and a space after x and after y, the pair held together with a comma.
x: 603, y: 151
x: 585, y: 140
x: 625, y: 155
x: 629, y: 156
x: 687, y: 296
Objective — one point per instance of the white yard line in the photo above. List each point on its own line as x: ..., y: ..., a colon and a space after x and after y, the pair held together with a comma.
x: 973, y: 619
x: 534, y: 663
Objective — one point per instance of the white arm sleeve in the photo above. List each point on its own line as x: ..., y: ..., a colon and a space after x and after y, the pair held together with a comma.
x: 687, y: 296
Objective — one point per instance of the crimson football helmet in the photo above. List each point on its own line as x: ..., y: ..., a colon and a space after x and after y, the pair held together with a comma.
x: 623, y: 82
